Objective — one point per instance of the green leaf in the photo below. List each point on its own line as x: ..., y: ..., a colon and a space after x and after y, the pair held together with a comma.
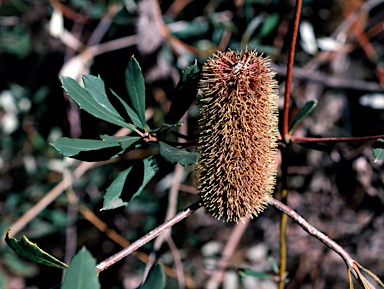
x: 186, y: 92
x: 150, y: 169
x: 89, y: 104
x: 124, y: 141
x: 250, y: 273
x: 70, y: 147
x: 96, y: 88
x: 269, y: 24
x: 134, y: 81
x: 156, y: 278
x: 307, y: 109
x: 32, y: 252
x: 82, y: 272
x: 131, y: 113
x: 175, y: 155
x: 378, y: 149
x: 112, y: 198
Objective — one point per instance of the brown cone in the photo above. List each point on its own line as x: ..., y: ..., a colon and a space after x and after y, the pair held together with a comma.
x: 238, y: 134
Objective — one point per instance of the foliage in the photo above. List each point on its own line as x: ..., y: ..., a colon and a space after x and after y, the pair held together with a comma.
x: 81, y: 274
x: 156, y: 278
x: 378, y: 151
x: 32, y: 252
x: 93, y: 99
x: 112, y: 198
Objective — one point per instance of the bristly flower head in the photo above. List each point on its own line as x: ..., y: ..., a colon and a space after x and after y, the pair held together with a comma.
x: 237, y: 140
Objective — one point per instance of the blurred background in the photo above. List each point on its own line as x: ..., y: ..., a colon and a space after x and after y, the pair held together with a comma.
x: 338, y: 188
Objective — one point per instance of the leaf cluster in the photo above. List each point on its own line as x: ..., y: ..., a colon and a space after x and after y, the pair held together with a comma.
x: 94, y: 99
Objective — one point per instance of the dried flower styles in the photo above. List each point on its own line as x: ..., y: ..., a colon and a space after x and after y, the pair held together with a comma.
x: 238, y: 133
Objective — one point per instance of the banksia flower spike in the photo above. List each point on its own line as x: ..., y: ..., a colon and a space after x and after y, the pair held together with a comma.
x: 237, y: 135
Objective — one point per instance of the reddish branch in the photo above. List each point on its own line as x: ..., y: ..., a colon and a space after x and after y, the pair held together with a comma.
x: 291, y: 58
x: 334, y: 139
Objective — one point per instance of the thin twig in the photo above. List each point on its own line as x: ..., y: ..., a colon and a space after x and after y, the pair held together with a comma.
x: 111, y: 45
x: 334, y: 139
x: 177, y: 260
x: 291, y: 58
x: 147, y: 238
x: 104, y: 24
x: 217, y: 277
x: 349, y: 261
